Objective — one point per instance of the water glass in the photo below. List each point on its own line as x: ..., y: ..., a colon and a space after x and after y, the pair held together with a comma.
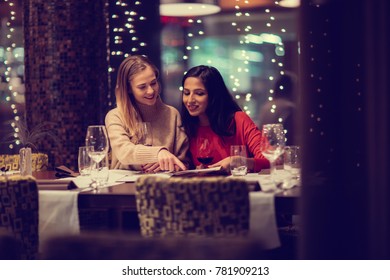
x: 84, y: 161
x: 100, y: 172
x: 238, y: 162
x: 292, y: 161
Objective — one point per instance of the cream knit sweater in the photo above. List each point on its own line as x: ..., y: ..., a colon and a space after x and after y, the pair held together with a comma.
x: 166, y: 133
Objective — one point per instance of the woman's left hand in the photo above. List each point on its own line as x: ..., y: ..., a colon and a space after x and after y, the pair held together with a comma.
x: 225, y: 164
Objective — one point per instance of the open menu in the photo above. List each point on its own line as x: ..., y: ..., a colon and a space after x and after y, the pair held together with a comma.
x: 132, y: 177
x: 211, y: 170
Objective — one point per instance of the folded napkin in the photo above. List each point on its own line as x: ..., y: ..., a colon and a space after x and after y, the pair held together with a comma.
x: 283, y: 179
x: 58, y: 214
x: 262, y: 224
x: 58, y: 209
x: 84, y: 182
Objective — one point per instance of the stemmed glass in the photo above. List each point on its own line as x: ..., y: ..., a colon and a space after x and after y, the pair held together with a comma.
x: 147, y: 137
x: 204, y: 151
x: 272, y: 144
x: 97, y: 143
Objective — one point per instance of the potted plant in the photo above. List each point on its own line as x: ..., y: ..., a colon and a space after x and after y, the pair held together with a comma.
x: 28, y: 139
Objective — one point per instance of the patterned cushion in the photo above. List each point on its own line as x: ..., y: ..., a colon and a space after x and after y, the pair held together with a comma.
x: 19, y: 212
x: 208, y: 206
x: 40, y: 162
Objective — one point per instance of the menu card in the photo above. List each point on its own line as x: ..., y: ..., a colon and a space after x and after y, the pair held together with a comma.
x: 55, y: 184
x: 132, y: 176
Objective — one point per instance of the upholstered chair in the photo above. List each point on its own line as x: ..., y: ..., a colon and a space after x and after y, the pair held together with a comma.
x: 206, y: 206
x: 19, y: 212
x: 124, y: 246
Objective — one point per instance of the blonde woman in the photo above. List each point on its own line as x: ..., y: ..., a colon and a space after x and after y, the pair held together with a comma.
x: 138, y: 100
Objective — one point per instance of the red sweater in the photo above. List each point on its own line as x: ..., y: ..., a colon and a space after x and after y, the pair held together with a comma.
x: 247, y: 134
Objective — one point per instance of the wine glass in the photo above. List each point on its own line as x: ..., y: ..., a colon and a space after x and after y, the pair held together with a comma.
x: 146, y: 137
x: 97, y: 143
x: 272, y: 145
x: 204, y: 151
x: 84, y: 161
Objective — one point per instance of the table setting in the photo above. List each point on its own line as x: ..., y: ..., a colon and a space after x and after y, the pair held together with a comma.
x: 59, y: 208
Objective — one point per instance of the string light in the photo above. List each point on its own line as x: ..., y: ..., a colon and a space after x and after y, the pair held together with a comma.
x: 15, y: 85
x: 279, y: 52
x: 243, y: 56
x: 195, y: 30
x: 125, y: 22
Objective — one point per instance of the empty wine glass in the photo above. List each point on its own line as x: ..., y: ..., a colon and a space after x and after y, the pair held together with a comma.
x: 272, y: 144
x: 146, y: 130
x: 97, y: 143
x: 204, y: 151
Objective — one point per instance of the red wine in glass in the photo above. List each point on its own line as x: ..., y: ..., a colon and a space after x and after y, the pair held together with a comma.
x: 204, y: 151
x: 205, y: 160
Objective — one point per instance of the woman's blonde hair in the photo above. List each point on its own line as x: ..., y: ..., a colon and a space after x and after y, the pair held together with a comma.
x: 125, y: 100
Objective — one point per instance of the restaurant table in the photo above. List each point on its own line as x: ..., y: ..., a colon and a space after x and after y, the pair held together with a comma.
x: 114, y: 207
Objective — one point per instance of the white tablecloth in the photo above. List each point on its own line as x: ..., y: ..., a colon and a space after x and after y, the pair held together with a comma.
x: 58, y: 214
x: 262, y: 223
x: 262, y: 206
x: 58, y: 210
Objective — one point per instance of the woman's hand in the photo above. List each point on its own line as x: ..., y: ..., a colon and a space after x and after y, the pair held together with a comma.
x: 151, y: 167
x: 225, y: 164
x: 168, y: 162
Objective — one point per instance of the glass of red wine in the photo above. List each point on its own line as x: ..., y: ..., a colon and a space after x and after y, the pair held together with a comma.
x: 204, y: 151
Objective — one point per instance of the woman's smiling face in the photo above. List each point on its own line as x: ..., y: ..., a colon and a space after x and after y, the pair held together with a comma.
x: 195, y: 97
x: 145, y: 87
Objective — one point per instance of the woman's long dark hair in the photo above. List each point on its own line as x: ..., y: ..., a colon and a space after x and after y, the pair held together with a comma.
x: 221, y: 105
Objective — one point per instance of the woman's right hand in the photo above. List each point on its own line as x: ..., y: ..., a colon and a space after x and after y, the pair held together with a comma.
x: 169, y: 162
x: 151, y: 167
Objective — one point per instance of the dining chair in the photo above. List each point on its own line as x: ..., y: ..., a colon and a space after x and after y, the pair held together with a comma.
x: 10, y: 248
x: 197, y: 206
x: 19, y: 212
x: 40, y: 162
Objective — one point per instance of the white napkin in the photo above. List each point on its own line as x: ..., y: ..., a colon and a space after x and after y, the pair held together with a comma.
x: 58, y: 214
x: 262, y: 223
x: 282, y: 176
x: 84, y: 182
x: 58, y: 210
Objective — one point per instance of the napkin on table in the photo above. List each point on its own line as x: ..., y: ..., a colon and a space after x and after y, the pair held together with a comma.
x: 58, y: 214
x: 262, y: 223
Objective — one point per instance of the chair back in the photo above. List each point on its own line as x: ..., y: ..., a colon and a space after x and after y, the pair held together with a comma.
x: 19, y: 212
x: 40, y: 162
x: 207, y: 206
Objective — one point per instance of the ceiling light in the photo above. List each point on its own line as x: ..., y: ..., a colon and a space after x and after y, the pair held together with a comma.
x: 290, y: 3
x: 187, y: 8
